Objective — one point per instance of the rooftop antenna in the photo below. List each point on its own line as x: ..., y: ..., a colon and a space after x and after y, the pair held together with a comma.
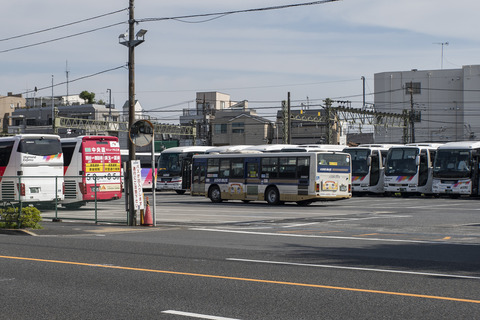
x: 442, y: 44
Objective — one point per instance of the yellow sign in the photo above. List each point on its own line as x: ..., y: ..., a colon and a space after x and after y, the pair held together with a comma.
x: 93, y: 167
x: 109, y: 167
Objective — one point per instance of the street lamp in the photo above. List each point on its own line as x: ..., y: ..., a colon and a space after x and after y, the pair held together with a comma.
x: 125, y: 40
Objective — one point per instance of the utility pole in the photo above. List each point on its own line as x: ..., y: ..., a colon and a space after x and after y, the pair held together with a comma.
x: 412, y: 115
x: 286, y: 121
x: 289, y: 110
x: 328, y: 107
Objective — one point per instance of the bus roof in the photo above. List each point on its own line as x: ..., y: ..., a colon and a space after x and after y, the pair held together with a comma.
x: 227, y: 149
x: 328, y: 147
x: 31, y: 135
x: 265, y: 154
x: 461, y: 145
x: 83, y: 138
x: 186, y: 149
x: 378, y: 145
x: 429, y: 146
x: 270, y: 147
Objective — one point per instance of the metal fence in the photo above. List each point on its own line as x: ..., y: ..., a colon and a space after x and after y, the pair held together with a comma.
x: 43, y: 193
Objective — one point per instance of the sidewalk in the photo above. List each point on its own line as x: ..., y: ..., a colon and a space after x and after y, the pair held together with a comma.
x: 73, y: 228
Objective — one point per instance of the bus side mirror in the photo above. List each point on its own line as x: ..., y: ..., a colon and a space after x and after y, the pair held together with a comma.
x: 417, y: 160
x: 369, y: 161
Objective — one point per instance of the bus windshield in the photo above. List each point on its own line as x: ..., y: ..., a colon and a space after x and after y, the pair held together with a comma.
x: 359, y: 161
x: 40, y: 146
x: 170, y: 163
x: 401, y: 162
x: 452, y: 164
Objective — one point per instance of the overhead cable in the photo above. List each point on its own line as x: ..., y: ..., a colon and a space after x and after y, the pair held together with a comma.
x: 237, y: 11
x: 61, y: 26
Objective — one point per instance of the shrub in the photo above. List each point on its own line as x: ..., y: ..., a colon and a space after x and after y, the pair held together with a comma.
x: 29, y: 218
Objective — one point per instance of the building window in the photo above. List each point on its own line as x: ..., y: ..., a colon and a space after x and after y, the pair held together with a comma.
x: 416, y: 87
x: 238, y: 127
x: 220, y: 128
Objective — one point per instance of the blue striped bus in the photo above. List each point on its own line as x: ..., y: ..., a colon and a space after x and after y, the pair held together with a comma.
x: 301, y: 177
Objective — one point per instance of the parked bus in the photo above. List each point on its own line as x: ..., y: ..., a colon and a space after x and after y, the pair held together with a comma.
x: 145, y: 165
x: 368, y: 172
x: 31, y: 169
x: 409, y: 169
x: 92, y: 169
x: 456, y: 169
x: 302, y: 177
x: 174, y: 168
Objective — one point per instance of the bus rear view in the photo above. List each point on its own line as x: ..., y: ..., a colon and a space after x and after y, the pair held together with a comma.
x: 92, y: 169
x: 31, y: 166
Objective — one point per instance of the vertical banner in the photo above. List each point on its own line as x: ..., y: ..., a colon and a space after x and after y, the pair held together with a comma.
x: 137, y: 185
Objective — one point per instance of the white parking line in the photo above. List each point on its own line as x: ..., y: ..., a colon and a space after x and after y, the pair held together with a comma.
x: 196, y: 315
x: 317, y: 236
x: 357, y: 268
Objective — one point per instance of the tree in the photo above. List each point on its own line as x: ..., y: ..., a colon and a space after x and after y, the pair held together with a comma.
x: 88, y: 96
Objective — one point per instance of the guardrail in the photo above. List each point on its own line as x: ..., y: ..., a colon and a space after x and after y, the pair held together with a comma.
x: 43, y: 193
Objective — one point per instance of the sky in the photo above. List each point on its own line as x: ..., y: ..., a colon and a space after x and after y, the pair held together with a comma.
x: 314, y: 52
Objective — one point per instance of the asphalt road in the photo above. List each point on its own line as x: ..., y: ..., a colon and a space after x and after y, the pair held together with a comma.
x: 363, y: 258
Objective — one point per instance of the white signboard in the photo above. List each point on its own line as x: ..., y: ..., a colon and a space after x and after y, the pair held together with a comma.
x: 137, y: 185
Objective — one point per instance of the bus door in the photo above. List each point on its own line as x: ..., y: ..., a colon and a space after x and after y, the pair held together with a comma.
x: 303, y: 175
x: 475, y: 173
x: 423, y: 171
x: 198, y: 177
x: 374, y: 168
x: 186, y: 173
x: 252, y: 178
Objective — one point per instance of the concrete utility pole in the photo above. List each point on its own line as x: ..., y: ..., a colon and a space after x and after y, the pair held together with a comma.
x: 132, y: 219
x: 131, y: 43
x: 412, y: 115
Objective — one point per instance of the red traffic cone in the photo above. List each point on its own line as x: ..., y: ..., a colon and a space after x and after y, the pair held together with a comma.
x: 147, y: 218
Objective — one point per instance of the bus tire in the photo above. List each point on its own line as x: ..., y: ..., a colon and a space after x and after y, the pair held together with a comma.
x: 214, y: 194
x: 180, y: 191
x: 272, y: 196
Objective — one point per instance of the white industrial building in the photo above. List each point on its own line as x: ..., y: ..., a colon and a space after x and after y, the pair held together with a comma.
x: 446, y: 103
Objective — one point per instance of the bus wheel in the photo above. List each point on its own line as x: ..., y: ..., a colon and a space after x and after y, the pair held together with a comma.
x: 215, y: 195
x: 272, y: 196
x: 180, y: 191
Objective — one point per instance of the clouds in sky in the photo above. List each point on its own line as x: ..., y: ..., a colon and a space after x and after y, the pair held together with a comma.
x: 312, y: 51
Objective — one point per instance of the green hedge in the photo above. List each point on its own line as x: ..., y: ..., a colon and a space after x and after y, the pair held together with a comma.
x: 29, y: 218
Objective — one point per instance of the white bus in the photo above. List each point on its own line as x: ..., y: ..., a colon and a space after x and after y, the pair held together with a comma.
x: 456, y: 169
x: 145, y: 159
x: 368, y: 168
x: 31, y: 169
x: 409, y: 169
x: 92, y: 169
x: 278, y: 177
x: 174, y: 168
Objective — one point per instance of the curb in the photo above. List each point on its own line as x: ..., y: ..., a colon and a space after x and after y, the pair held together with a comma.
x: 17, y: 232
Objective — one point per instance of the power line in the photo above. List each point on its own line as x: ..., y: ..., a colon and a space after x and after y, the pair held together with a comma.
x: 62, y: 26
x: 70, y: 81
x: 62, y: 38
x: 237, y: 11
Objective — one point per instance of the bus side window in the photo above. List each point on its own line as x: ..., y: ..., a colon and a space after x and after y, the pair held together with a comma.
x: 224, y: 168
x: 303, y: 168
x: 237, y: 169
x: 252, y: 170
x: 5, y: 152
x: 212, y: 169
